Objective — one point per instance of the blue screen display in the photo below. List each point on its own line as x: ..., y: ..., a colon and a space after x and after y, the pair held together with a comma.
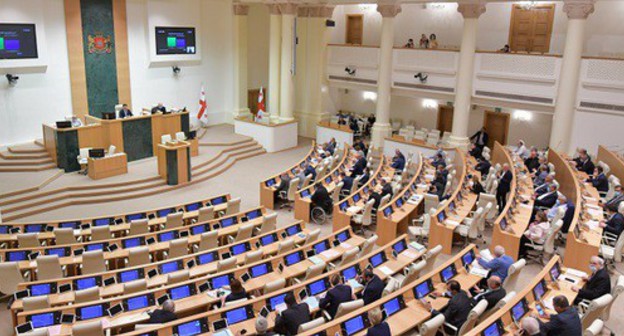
x: 276, y: 300
x: 305, y: 193
x: 293, y: 258
x: 538, y: 291
x: 392, y: 306
x: 259, y: 270
x: 270, y: 183
x: 205, y: 258
x: 42, y: 320
x: 356, y: 198
x: 131, y: 242
x: 42, y: 289
x: 343, y: 206
x: 422, y: 290
x: 169, y: 267
x: 33, y: 228
x: 190, y: 328
x: 129, y: 275
x: 468, y: 258
x: 192, y: 206
x: 218, y: 200
x: 293, y: 230
x: 236, y: 315
x: 102, y: 221
x: 133, y: 217
x: 342, y: 236
x: 349, y: 273
x: 137, y: 302
x: 199, y: 229
x: 266, y: 240
x: 73, y: 225
x: 518, y: 311
x: 4, y: 229
x: 85, y: 283
x: 238, y: 249
x: 447, y: 273
x: 91, y: 312
x: 166, y: 236
x: 317, y: 287
x: 180, y: 292
x: 225, y: 222
x: 354, y: 325
x: 387, y: 211
x: 16, y: 256
x: 492, y: 330
x: 254, y: 214
x: 377, y: 259
x: 320, y: 247
x: 56, y: 251
x: 95, y: 247
x: 399, y: 247
x: 220, y: 281
x: 164, y: 212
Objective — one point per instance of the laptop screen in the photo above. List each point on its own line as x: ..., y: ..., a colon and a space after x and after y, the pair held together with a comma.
x: 259, y: 270
x: 236, y: 315
x: 137, y: 302
x: 206, y: 258
x: 42, y: 320
x: 180, y: 292
x: 129, y: 276
x: 91, y: 312
x: 169, y: 267
x: 220, y: 281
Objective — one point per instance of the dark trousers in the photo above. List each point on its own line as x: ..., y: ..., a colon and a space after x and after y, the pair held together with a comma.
x: 523, y: 248
x: 501, y: 200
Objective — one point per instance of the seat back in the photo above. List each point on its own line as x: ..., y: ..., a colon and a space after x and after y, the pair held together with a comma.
x: 233, y: 206
x: 88, y: 329
x: 412, y: 273
x: 209, y: 240
x: 87, y: 295
x: 84, y: 152
x: 174, y: 220
x: 336, y: 192
x: 596, y: 310
x: 473, y: 316
x: 513, y: 274
x: 430, y: 328
x: 312, y: 236
x: 473, y: 230
x: 315, y: 270
x: 595, y: 328
x: 367, y: 216
x: 226, y: 264
x: 618, y: 249
x: 138, y: 256
x: 285, y: 246
x: 64, y: 236
x: 499, y: 305
x: 205, y: 214
x: 549, y: 243
x: 273, y: 286
x: 347, y: 307
x: 138, y: 227
x: 384, y: 201
x: 93, y: 262
x: 269, y: 223
x: 235, y: 302
x: 253, y: 256
x: 244, y: 232
x: 430, y: 257
x: 28, y: 239
x: 135, y: 286
x: 177, y: 277
x: 11, y: 277
x: 49, y: 267
x: 35, y: 303
x: 165, y: 138
x: 178, y: 248
x: 307, y: 181
x: 369, y: 245
x: 349, y: 256
x: 618, y: 288
x: 292, y: 189
x: 613, y: 181
x: 431, y: 202
x: 311, y: 325
x: 100, y: 233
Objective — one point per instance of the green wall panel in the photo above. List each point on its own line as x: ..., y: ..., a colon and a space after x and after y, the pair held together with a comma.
x: 172, y: 167
x: 67, y: 150
x: 137, y: 138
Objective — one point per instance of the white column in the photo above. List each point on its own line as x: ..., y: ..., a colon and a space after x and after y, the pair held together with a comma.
x: 465, y: 72
x: 240, y: 57
x: 275, y: 49
x: 382, y: 128
x: 578, y: 11
x: 287, y: 75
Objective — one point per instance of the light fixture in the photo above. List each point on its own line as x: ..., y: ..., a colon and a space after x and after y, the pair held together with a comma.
x: 12, y: 79
x: 430, y: 104
x: 435, y: 5
x: 367, y: 7
x: 522, y: 115
x: 369, y: 95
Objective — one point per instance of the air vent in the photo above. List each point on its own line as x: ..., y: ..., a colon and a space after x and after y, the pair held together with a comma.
x: 424, y: 87
x: 354, y: 80
x: 599, y: 106
x: 515, y: 97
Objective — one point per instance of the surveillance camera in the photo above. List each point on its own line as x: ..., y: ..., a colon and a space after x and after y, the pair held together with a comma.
x: 176, y: 69
x: 350, y: 71
x: 422, y: 76
x: 12, y: 79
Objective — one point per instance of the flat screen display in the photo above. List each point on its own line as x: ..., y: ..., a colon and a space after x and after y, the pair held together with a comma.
x: 42, y: 320
x: 18, y: 41
x: 175, y: 41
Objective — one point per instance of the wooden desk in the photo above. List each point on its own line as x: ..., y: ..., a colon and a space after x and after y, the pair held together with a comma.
x: 108, y: 166
x: 194, y: 147
x: 174, y: 162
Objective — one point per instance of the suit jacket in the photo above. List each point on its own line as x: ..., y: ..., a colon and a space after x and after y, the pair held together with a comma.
x: 586, y: 166
x: 398, y: 162
x: 381, y: 329
x: 532, y: 163
x: 498, y: 266
x: 504, y: 184
x: 567, y: 323
x: 541, y: 190
x: 491, y: 296
x: 364, y: 179
x: 615, y: 224
x: 477, y: 188
x: 334, y: 297
x: 310, y: 171
x: 321, y: 198
x: 600, y: 182
x: 373, y: 290
x: 483, y: 167
x: 157, y: 109
x: 123, y: 113
x: 457, y: 309
x: 477, y: 152
x: 614, y: 203
x: 568, y: 216
x: 289, y: 320
x: 480, y: 138
x: 375, y: 195
x: 284, y: 184
x: 347, y: 183
x: 358, y: 167
x: 161, y: 316
x: 331, y: 147
x: 386, y: 190
x: 547, y: 200
x: 597, y: 285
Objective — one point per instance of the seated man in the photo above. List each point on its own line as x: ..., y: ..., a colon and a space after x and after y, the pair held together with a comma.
x: 372, y: 194
x: 373, y: 287
x: 598, y: 283
x: 438, y: 160
x: 347, y: 182
x: 398, y: 161
x: 475, y: 151
x: 321, y: 198
x: 584, y: 162
x: 494, y: 292
x: 532, y: 162
x: 457, y: 310
x: 386, y: 188
x: 614, y: 223
x: 159, y: 108
x: 565, y: 323
x: 365, y: 177
x: 309, y: 170
x: 540, y: 175
x: 499, y: 266
x: 483, y: 167
x: 338, y: 294
x: 360, y: 164
x: 599, y: 180
x: 545, y: 186
x: 300, y: 174
x: 568, y: 216
x: 330, y: 147
x: 283, y: 186
x: 614, y: 202
x: 548, y: 199
x: 562, y: 202
x: 125, y: 111
x: 164, y: 315
x: 288, y: 322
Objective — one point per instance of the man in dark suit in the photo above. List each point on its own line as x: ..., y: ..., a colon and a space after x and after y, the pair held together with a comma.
x: 373, y: 287
x: 347, y: 182
x: 321, y: 198
x: 614, y: 202
x: 599, y: 180
x: 476, y: 151
x: 362, y: 146
x: 331, y: 146
x: 504, y: 185
x: 365, y: 177
x: 532, y: 162
x: 289, y: 320
x: 372, y: 194
x: 386, y: 188
x: 547, y: 200
x: 614, y: 224
x: 338, y: 294
x: 584, y: 162
x: 483, y: 167
x: 358, y: 167
x: 159, y: 108
x: 480, y: 138
x: 309, y: 170
x: 598, y: 283
x: 124, y: 112
x: 164, y: 315
x: 283, y: 185
x: 565, y: 323
x: 398, y: 161
x: 545, y: 187
x: 459, y: 306
x: 568, y: 216
x: 494, y: 293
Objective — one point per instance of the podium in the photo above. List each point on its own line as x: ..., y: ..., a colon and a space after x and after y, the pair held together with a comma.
x: 108, y: 166
x: 174, y: 162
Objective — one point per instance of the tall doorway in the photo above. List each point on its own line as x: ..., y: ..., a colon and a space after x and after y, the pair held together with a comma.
x: 531, y: 28
x: 445, y: 118
x: 497, y: 127
x: 355, y: 29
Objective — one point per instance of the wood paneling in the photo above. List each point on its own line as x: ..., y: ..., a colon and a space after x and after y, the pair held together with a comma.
x: 49, y: 141
x: 615, y: 162
x: 445, y: 118
x: 121, y: 51
x: 75, y: 50
x: 531, y: 29
x: 108, y: 166
x: 90, y: 136
x: 497, y: 126
x: 355, y: 29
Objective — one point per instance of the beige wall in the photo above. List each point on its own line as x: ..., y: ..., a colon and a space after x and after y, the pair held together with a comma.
x: 258, y: 46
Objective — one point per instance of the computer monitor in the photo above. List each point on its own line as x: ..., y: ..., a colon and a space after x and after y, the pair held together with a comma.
x: 225, y: 222
x: 260, y: 270
x: 96, y: 153
x: 220, y: 281
x: 555, y: 272
x: 44, y: 320
x: 519, y: 310
x: 109, y: 116
x: 399, y: 202
x: 133, y: 242
x: 240, y: 248
x: 193, y: 206
x: 468, y: 258
x: 318, y: 287
x: 305, y: 193
x: 268, y: 239
x: 218, y: 200
x: 355, y: 325
x: 270, y: 183
x: 96, y: 247
x: 293, y: 230
x: 42, y: 289
x: 494, y: 329
x: 199, y: 229
x: 448, y: 273
x: 275, y: 301
x: 164, y: 212
x: 343, y: 236
x: 539, y: 290
x: 423, y: 289
x: 503, y: 223
x: 167, y: 236
x: 238, y: 315
x: 399, y: 246
x: 138, y: 302
x: 133, y: 217
x: 170, y: 267
x: 73, y: 225
x: 441, y: 217
x: 32, y: 228
x: 92, y: 312
x: 207, y: 258
x: 63, y: 124
x: 16, y: 255
x: 394, y: 305
x: 344, y: 205
x: 378, y: 259
x: 253, y: 214
x: 181, y: 292
x: 293, y: 258
x: 131, y: 275
x: 194, y: 327
x: 356, y: 198
x: 351, y: 272
x: 322, y: 246
x: 388, y: 211
x: 59, y: 251
x: 103, y: 221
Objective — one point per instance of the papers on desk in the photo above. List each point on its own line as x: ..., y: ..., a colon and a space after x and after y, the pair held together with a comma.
x: 429, y: 177
x: 595, y: 212
x: 224, y: 332
x: 479, y: 271
x: 569, y: 279
x: 316, y: 260
x: 486, y: 255
x: 590, y: 199
x: 548, y: 303
x: 214, y: 293
x: 417, y: 247
x: 301, y: 235
x: 593, y: 224
x: 576, y: 273
x: 385, y: 270
x: 330, y: 254
x: 281, y: 307
x: 354, y: 209
x: 53, y: 330
x: 312, y: 302
x: 415, y: 199
x: 354, y: 284
x: 346, y: 246
x: 451, y: 223
x: 410, y: 253
x: 594, y: 206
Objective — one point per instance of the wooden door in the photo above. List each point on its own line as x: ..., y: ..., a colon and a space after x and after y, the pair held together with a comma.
x: 355, y: 28
x: 445, y: 118
x: 252, y: 99
x: 531, y: 28
x: 497, y: 127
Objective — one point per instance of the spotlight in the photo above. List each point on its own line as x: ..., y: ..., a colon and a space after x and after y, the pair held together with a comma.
x: 422, y: 76
x: 176, y: 70
x: 12, y: 79
x: 350, y: 71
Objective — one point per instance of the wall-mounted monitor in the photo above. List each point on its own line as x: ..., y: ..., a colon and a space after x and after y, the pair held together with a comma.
x: 175, y: 41
x: 18, y: 41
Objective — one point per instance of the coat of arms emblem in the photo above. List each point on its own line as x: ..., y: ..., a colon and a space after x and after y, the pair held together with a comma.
x: 99, y: 44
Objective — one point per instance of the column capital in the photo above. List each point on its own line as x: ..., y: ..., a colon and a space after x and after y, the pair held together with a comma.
x: 274, y: 8
x: 240, y: 9
x: 389, y: 10
x: 578, y: 9
x: 288, y: 8
x: 316, y: 11
x: 471, y: 10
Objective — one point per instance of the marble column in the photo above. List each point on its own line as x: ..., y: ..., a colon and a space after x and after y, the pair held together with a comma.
x: 275, y: 49
x: 240, y: 60
x: 563, y: 119
x: 381, y: 129
x: 287, y: 70
x: 465, y: 72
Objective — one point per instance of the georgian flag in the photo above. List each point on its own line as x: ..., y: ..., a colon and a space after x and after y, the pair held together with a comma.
x: 202, y: 103
x: 261, y: 108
